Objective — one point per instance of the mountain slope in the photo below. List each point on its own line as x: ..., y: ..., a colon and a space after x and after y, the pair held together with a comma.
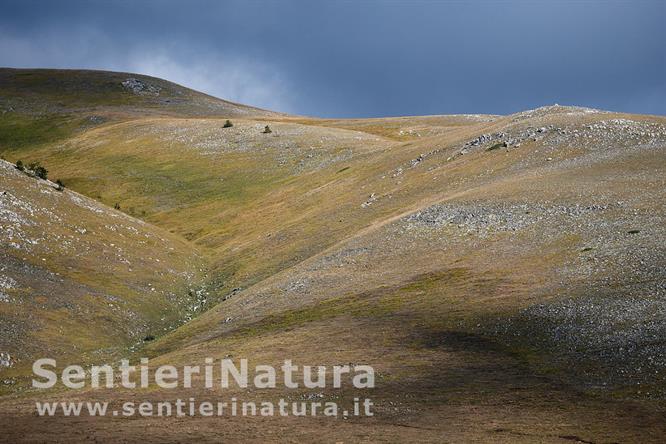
x: 39, y: 106
x: 503, y: 274
x: 80, y: 281
x: 46, y: 91
x: 564, y: 220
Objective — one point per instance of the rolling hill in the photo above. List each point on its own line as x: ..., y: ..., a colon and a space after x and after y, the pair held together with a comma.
x: 504, y: 275
x: 83, y: 281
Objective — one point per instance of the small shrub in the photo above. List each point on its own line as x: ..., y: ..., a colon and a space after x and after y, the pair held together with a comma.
x: 497, y: 146
x: 149, y: 338
x: 228, y: 124
x: 41, y: 172
x: 116, y: 206
x: 267, y: 130
x: 19, y: 165
x: 60, y: 185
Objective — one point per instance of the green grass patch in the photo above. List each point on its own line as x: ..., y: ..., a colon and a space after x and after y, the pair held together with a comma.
x: 497, y: 146
x: 18, y: 131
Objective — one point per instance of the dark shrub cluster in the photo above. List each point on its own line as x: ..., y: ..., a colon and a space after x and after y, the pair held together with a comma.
x: 34, y: 168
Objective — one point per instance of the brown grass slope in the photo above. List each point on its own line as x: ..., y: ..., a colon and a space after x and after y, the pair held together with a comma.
x: 82, y: 282
x: 503, y: 274
x: 38, y: 91
x: 572, y: 220
x: 42, y: 106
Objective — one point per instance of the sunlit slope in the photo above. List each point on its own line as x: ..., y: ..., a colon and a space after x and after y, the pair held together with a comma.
x: 196, y: 178
x: 492, y: 287
x: 552, y: 245
x: 80, y: 281
x: 475, y: 261
x: 257, y: 202
x: 246, y: 196
x: 404, y: 128
x: 40, y: 106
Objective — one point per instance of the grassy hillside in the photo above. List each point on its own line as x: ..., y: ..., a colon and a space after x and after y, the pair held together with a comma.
x: 35, y: 91
x: 555, y: 237
x: 504, y: 274
x: 39, y: 106
x: 80, y: 281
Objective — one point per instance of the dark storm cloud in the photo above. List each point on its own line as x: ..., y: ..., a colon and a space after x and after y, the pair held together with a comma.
x: 363, y: 58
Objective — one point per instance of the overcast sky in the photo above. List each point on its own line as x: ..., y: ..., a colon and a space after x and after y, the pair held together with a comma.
x: 362, y: 58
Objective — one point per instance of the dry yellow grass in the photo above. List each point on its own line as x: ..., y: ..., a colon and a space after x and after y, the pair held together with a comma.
x: 497, y: 291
